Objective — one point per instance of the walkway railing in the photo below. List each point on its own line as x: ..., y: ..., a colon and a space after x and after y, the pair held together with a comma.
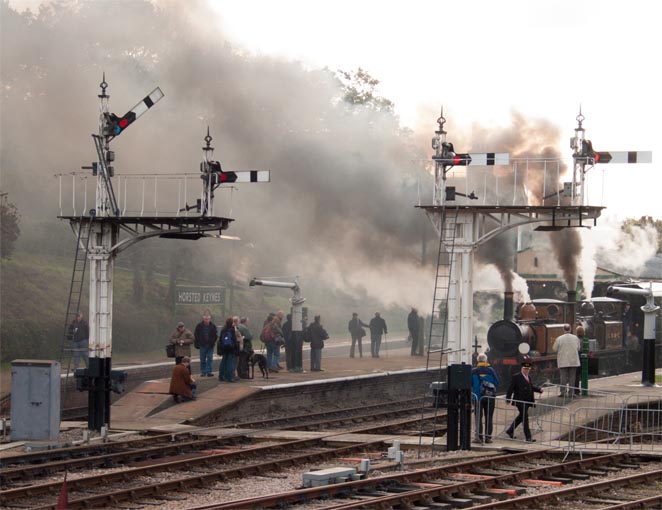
x: 600, y: 420
x: 139, y: 195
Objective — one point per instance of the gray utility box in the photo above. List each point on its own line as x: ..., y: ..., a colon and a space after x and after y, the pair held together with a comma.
x: 35, y: 399
x: 329, y: 476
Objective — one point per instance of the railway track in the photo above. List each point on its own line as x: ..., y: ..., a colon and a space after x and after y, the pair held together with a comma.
x: 159, y: 479
x: 335, y: 417
x: 509, y: 481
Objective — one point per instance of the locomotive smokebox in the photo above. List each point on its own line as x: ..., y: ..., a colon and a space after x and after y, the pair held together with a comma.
x: 507, y: 306
x: 572, y: 299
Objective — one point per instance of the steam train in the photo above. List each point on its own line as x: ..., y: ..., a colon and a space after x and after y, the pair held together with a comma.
x: 539, y: 323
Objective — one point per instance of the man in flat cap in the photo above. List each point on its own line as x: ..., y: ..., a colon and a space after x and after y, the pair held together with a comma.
x: 182, y: 338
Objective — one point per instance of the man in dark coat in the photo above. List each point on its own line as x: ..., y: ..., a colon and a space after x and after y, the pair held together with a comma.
x: 289, y: 344
x: 245, y: 353
x: 413, y: 324
x: 182, y: 385
x: 377, y: 328
x: 355, y: 327
x: 520, y: 394
x: 317, y: 335
x: 79, y: 334
x: 205, y: 335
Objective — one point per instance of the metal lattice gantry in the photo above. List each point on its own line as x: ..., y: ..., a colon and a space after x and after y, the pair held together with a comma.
x: 497, y: 194
x: 111, y: 230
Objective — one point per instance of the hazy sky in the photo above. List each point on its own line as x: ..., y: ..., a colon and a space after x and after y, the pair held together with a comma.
x: 483, y: 59
x: 340, y: 203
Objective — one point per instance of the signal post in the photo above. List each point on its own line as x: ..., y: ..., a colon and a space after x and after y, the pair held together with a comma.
x: 105, y: 224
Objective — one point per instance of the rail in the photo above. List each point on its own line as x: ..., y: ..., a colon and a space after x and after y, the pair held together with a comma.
x: 599, y: 420
x: 140, y: 195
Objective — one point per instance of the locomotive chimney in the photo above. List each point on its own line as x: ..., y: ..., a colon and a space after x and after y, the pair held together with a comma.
x: 572, y: 298
x: 507, y: 306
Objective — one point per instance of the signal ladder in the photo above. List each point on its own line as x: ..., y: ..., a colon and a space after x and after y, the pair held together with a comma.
x: 75, y: 294
x: 445, y: 260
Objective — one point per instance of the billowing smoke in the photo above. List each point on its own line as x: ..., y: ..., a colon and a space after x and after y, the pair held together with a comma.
x: 567, y: 247
x: 536, y: 181
x: 624, y: 251
x: 340, y: 208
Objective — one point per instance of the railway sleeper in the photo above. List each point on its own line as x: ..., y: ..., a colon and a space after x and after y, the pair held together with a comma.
x: 478, y: 499
x: 576, y: 475
x: 493, y: 494
x: 590, y: 472
x: 626, y: 465
x: 168, y: 497
x: 552, y: 478
x: 456, y: 502
x: 401, y: 487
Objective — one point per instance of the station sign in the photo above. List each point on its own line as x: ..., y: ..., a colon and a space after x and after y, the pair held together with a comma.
x: 198, y: 295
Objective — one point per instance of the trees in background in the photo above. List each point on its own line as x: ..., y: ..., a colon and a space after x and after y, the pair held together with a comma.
x: 9, y: 221
x: 643, y: 222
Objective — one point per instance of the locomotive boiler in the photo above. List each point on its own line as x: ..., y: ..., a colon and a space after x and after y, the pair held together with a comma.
x: 534, y: 328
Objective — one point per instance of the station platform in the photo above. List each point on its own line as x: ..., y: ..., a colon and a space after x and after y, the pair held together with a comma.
x: 150, y: 407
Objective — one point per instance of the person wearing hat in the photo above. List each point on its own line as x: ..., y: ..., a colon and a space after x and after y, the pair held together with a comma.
x: 182, y: 338
x: 355, y: 328
x: 182, y: 385
x: 520, y: 394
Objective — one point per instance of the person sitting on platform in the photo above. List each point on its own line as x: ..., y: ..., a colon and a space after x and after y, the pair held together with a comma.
x: 182, y: 385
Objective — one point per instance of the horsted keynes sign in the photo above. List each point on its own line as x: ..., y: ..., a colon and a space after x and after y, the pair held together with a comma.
x: 189, y: 295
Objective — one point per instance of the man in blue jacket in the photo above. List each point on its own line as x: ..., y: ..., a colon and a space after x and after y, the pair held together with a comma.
x: 485, y: 382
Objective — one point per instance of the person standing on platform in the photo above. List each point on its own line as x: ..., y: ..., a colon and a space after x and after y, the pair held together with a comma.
x: 182, y: 385
x: 239, y: 345
x: 182, y: 338
x: 567, y: 348
x: 627, y: 322
x: 245, y: 353
x: 297, y: 351
x: 273, y: 347
x: 317, y: 335
x: 413, y: 324
x: 289, y: 347
x: 79, y: 334
x: 520, y: 394
x: 355, y: 327
x: 377, y: 329
x: 205, y: 336
x: 227, y: 346
x: 485, y: 382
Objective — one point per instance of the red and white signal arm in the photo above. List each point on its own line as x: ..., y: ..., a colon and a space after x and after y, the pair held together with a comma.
x: 623, y: 157
x: 253, y: 176
x: 479, y: 159
x: 134, y: 114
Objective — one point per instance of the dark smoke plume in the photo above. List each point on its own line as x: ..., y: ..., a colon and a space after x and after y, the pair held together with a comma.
x: 339, y: 211
x: 537, y: 183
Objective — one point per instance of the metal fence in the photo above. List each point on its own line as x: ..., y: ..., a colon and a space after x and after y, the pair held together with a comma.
x: 597, y: 420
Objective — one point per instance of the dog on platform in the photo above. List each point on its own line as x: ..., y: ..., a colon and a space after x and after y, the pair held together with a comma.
x: 261, y: 361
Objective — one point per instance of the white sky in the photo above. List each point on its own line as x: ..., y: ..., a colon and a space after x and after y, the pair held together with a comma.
x: 483, y: 58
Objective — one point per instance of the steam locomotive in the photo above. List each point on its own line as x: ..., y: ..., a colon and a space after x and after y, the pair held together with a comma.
x: 539, y: 323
